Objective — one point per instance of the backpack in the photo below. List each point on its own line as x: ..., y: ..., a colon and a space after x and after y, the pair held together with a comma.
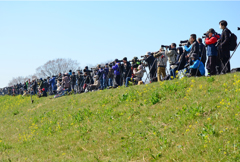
x: 233, y: 42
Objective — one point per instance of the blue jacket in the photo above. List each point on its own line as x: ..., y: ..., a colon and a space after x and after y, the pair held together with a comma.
x: 211, y: 48
x: 116, y: 69
x: 188, y: 49
x: 52, y: 82
x: 201, y: 66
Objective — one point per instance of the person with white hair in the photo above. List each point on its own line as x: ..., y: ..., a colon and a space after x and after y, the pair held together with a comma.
x: 138, y: 74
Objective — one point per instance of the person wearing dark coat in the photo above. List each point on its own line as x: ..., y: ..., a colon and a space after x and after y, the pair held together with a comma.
x: 126, y: 69
x: 80, y: 80
x: 202, y: 51
x: 73, y: 81
x: 194, y: 47
x: 180, y: 63
x: 151, y: 65
x: 223, y: 49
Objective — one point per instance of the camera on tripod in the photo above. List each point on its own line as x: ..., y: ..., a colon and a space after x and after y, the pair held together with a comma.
x: 183, y: 43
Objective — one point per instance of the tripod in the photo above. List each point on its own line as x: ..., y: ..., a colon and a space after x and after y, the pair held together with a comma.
x: 230, y: 58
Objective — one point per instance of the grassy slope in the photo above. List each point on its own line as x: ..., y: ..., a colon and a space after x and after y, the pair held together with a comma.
x: 193, y: 119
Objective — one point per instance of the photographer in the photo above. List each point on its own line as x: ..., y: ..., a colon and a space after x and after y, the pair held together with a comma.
x: 96, y: 84
x: 116, y: 72
x: 197, y: 66
x: 110, y: 76
x: 151, y: 65
x: 138, y: 74
x: 194, y: 46
x: 80, y: 80
x: 202, y: 51
x: 126, y: 69
x: 105, y: 76
x: 179, y: 64
x: 73, y: 80
x: 161, y: 63
x: 52, y: 83
x: 135, y: 63
x: 171, y: 54
x: 100, y: 74
x: 211, y: 41
x: 224, y: 43
x: 66, y: 81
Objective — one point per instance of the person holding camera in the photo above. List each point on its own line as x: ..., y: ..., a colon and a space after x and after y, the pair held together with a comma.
x: 52, y: 83
x: 194, y: 47
x: 179, y: 64
x: 100, y: 73
x: 110, y: 76
x: 126, y: 69
x: 138, y: 74
x: 212, y: 53
x: 224, y: 44
x: 80, y: 80
x: 151, y: 65
x: 161, y: 64
x: 171, y: 53
x: 105, y: 76
x: 66, y: 81
x: 73, y: 80
x: 197, y: 68
x: 202, y: 51
x: 116, y: 69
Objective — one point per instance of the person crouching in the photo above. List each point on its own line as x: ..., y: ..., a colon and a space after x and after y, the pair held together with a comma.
x: 197, y: 69
x: 138, y: 74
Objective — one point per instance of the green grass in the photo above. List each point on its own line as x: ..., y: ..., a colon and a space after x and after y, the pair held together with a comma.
x: 193, y: 119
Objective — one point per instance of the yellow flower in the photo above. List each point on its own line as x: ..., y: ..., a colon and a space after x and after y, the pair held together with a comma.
x: 190, y: 126
x: 176, y: 71
x: 193, y: 81
x: 208, y: 118
x: 225, y: 153
x: 205, y: 145
x: 63, y: 153
x: 187, y: 130
x: 0, y: 141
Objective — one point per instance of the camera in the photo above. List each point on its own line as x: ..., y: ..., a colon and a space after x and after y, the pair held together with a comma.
x: 165, y: 46
x: 238, y: 28
x: 184, y: 41
x: 218, y: 43
x: 87, y: 71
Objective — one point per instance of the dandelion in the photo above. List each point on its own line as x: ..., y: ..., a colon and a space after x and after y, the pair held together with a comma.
x: 193, y: 81
x: 208, y: 118
x: 63, y: 153
x: 225, y: 153
x: 190, y: 126
x: 0, y: 141
x: 236, y: 114
x: 187, y: 130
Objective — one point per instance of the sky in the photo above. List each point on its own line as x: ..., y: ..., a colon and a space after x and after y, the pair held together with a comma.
x: 32, y: 33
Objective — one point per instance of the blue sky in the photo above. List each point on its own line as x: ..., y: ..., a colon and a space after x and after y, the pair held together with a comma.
x: 93, y: 32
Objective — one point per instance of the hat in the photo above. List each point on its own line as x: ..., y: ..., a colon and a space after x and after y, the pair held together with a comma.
x: 106, y: 64
x: 99, y: 66
x: 148, y: 53
x: 125, y: 58
x: 195, y: 56
x: 135, y: 58
x: 211, y: 31
x: 86, y: 67
x: 116, y: 60
x: 43, y: 89
x: 70, y: 71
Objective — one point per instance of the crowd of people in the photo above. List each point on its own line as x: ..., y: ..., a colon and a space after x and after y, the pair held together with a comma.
x: 190, y: 58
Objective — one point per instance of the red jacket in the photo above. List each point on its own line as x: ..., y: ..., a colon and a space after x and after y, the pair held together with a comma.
x: 211, y: 40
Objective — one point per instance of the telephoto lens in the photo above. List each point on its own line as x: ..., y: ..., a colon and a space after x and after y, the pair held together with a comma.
x: 184, y: 41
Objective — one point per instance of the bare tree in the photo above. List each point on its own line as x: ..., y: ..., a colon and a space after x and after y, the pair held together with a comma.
x: 53, y: 67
